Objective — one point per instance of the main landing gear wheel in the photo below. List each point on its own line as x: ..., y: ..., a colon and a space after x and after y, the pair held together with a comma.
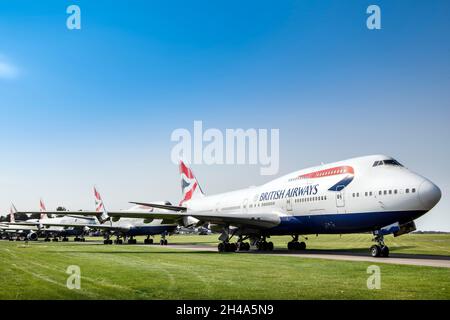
x: 132, y: 241
x: 295, y: 245
x: 264, y: 246
x: 227, y: 247
x: 107, y: 241
x: 243, y: 246
x: 163, y: 242
x: 148, y: 241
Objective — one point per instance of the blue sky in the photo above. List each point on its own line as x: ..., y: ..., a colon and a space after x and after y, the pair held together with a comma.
x: 98, y: 105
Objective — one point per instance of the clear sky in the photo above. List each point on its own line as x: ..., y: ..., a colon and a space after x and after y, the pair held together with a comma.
x: 98, y: 105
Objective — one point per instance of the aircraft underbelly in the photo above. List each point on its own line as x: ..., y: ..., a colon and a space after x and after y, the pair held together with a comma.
x: 342, y: 223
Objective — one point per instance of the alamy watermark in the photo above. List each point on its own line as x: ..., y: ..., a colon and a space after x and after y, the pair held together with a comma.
x: 373, y: 22
x: 374, y: 280
x: 74, y: 279
x: 73, y: 21
x: 234, y: 146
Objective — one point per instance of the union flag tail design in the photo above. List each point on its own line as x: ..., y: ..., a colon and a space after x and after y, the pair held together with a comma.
x: 102, y: 214
x: 190, y: 188
x: 12, y: 213
x: 42, y: 209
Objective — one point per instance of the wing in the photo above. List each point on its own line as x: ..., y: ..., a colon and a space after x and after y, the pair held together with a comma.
x: 257, y: 220
x: 85, y: 225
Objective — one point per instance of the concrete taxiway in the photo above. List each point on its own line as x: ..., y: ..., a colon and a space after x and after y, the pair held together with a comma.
x: 402, y: 259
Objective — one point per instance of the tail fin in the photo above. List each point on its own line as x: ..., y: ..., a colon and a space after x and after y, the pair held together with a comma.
x: 102, y: 214
x: 42, y: 209
x: 190, y: 188
x: 12, y: 213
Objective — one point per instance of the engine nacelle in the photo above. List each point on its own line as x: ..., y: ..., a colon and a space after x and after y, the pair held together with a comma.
x: 32, y: 236
x: 189, y: 221
x: 115, y: 219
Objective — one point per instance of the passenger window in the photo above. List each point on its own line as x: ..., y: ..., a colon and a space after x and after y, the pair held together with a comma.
x: 407, y: 190
x: 370, y: 193
x: 379, y: 192
x: 413, y: 190
x: 385, y: 192
x: 395, y: 191
x: 357, y: 194
x: 390, y: 191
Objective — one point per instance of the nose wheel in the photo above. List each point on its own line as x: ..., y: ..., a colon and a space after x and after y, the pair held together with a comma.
x: 380, y: 249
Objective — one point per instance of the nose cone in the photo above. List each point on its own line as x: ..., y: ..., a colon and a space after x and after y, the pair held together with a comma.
x: 429, y: 194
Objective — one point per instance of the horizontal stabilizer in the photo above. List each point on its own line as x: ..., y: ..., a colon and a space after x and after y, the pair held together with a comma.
x: 161, y: 206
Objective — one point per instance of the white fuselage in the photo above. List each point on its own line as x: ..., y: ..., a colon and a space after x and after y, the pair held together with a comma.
x: 355, y: 195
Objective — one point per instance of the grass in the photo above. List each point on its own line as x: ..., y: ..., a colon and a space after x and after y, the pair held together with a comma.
x: 38, y: 271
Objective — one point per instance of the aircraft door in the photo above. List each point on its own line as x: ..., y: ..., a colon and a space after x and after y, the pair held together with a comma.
x: 340, y: 199
x: 245, y: 205
x: 289, y: 204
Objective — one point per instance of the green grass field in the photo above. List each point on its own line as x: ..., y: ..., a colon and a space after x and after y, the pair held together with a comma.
x: 38, y: 271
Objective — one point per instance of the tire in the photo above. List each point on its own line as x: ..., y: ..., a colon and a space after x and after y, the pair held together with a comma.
x: 385, y: 251
x: 221, y: 247
x: 161, y: 242
x: 302, y: 246
x: 290, y: 245
x: 375, y: 251
x: 270, y: 246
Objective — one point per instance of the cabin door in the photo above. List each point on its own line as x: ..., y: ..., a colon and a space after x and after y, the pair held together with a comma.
x: 340, y: 199
x: 289, y: 204
x: 245, y: 205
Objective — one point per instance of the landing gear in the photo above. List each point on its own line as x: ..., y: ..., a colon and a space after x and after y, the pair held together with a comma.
x: 379, y: 249
x: 227, y: 247
x: 243, y: 246
x: 47, y: 239
x: 132, y: 241
x: 295, y: 245
x: 148, y: 240
x: 263, y: 245
x: 118, y: 240
x: 55, y: 239
x: 163, y: 241
x: 65, y: 239
x: 107, y: 240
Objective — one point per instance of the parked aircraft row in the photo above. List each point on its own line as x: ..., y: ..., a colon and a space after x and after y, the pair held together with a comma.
x: 367, y: 194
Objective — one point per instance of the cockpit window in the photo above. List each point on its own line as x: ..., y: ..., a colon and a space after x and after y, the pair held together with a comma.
x: 392, y: 162
x: 389, y: 162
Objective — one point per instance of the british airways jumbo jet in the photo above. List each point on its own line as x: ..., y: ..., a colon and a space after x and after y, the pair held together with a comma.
x: 366, y: 194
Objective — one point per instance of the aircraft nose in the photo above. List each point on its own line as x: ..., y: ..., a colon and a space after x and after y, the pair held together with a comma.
x: 429, y: 194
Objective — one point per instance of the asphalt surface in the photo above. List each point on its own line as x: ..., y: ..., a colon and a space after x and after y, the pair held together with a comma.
x: 403, y: 259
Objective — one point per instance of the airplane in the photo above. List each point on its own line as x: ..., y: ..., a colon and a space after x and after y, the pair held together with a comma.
x: 112, y: 223
x: 366, y: 194
x: 64, y: 226
x: 14, y: 230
